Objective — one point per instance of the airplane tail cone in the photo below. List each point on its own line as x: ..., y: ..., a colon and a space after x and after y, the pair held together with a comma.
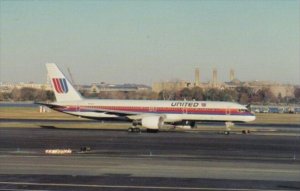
x: 63, y: 89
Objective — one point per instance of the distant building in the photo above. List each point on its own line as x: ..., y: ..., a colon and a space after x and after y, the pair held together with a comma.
x: 215, y: 78
x: 8, y: 87
x: 277, y: 89
x: 94, y: 88
x: 171, y: 85
x: 282, y: 90
x: 103, y: 87
x: 197, y: 77
x: 231, y: 75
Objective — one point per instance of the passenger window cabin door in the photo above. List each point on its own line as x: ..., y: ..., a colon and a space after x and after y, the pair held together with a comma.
x: 152, y: 109
x: 228, y: 112
x: 184, y: 110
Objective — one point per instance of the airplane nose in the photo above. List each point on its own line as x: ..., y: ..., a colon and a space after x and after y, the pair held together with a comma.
x: 252, y: 118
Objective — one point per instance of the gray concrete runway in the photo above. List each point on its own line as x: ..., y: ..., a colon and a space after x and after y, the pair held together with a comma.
x: 147, y: 161
x: 205, y: 124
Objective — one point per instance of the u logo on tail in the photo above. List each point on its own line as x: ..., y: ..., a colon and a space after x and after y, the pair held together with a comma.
x: 62, y: 88
x: 60, y: 85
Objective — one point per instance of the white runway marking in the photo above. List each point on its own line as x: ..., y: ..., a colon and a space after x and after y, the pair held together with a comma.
x: 124, y: 186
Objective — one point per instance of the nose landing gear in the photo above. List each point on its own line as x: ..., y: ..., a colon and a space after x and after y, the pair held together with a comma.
x: 228, y: 126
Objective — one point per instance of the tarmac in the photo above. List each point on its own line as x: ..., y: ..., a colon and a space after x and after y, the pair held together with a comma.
x: 205, y: 124
x: 119, y: 160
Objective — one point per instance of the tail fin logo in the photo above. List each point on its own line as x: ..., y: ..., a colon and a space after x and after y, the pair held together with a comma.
x: 60, y: 85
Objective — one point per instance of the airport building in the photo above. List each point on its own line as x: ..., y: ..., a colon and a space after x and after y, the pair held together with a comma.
x: 103, y: 87
x: 277, y: 89
x: 93, y: 88
x: 8, y: 87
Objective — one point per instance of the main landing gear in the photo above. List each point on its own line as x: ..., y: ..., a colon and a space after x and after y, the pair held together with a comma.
x: 229, y: 125
x: 134, y: 128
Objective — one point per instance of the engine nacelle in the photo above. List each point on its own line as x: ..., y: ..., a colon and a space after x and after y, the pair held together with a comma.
x: 152, y: 122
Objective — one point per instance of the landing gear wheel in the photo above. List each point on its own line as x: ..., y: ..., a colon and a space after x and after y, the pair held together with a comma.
x: 247, y: 131
x: 228, y: 126
x: 137, y: 130
x: 134, y: 130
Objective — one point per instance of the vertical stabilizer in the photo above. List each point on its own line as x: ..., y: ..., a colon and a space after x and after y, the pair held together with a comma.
x: 63, y: 89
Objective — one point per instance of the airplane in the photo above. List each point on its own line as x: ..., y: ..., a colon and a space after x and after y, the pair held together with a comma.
x: 149, y: 114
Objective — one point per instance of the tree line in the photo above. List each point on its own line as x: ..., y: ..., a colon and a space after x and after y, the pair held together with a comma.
x: 27, y: 94
x: 243, y: 95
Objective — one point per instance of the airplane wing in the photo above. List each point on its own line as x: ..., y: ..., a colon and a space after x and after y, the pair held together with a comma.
x: 128, y: 114
x: 112, y: 112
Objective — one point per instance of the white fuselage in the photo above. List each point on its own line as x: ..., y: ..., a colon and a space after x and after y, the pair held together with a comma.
x: 172, y: 111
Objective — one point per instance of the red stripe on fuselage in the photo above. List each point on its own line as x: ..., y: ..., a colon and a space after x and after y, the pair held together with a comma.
x: 217, y: 111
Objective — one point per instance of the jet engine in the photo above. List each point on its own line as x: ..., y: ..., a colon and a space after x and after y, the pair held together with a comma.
x: 152, y: 122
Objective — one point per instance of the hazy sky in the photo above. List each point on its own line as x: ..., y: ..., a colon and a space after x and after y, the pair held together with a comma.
x: 148, y: 41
